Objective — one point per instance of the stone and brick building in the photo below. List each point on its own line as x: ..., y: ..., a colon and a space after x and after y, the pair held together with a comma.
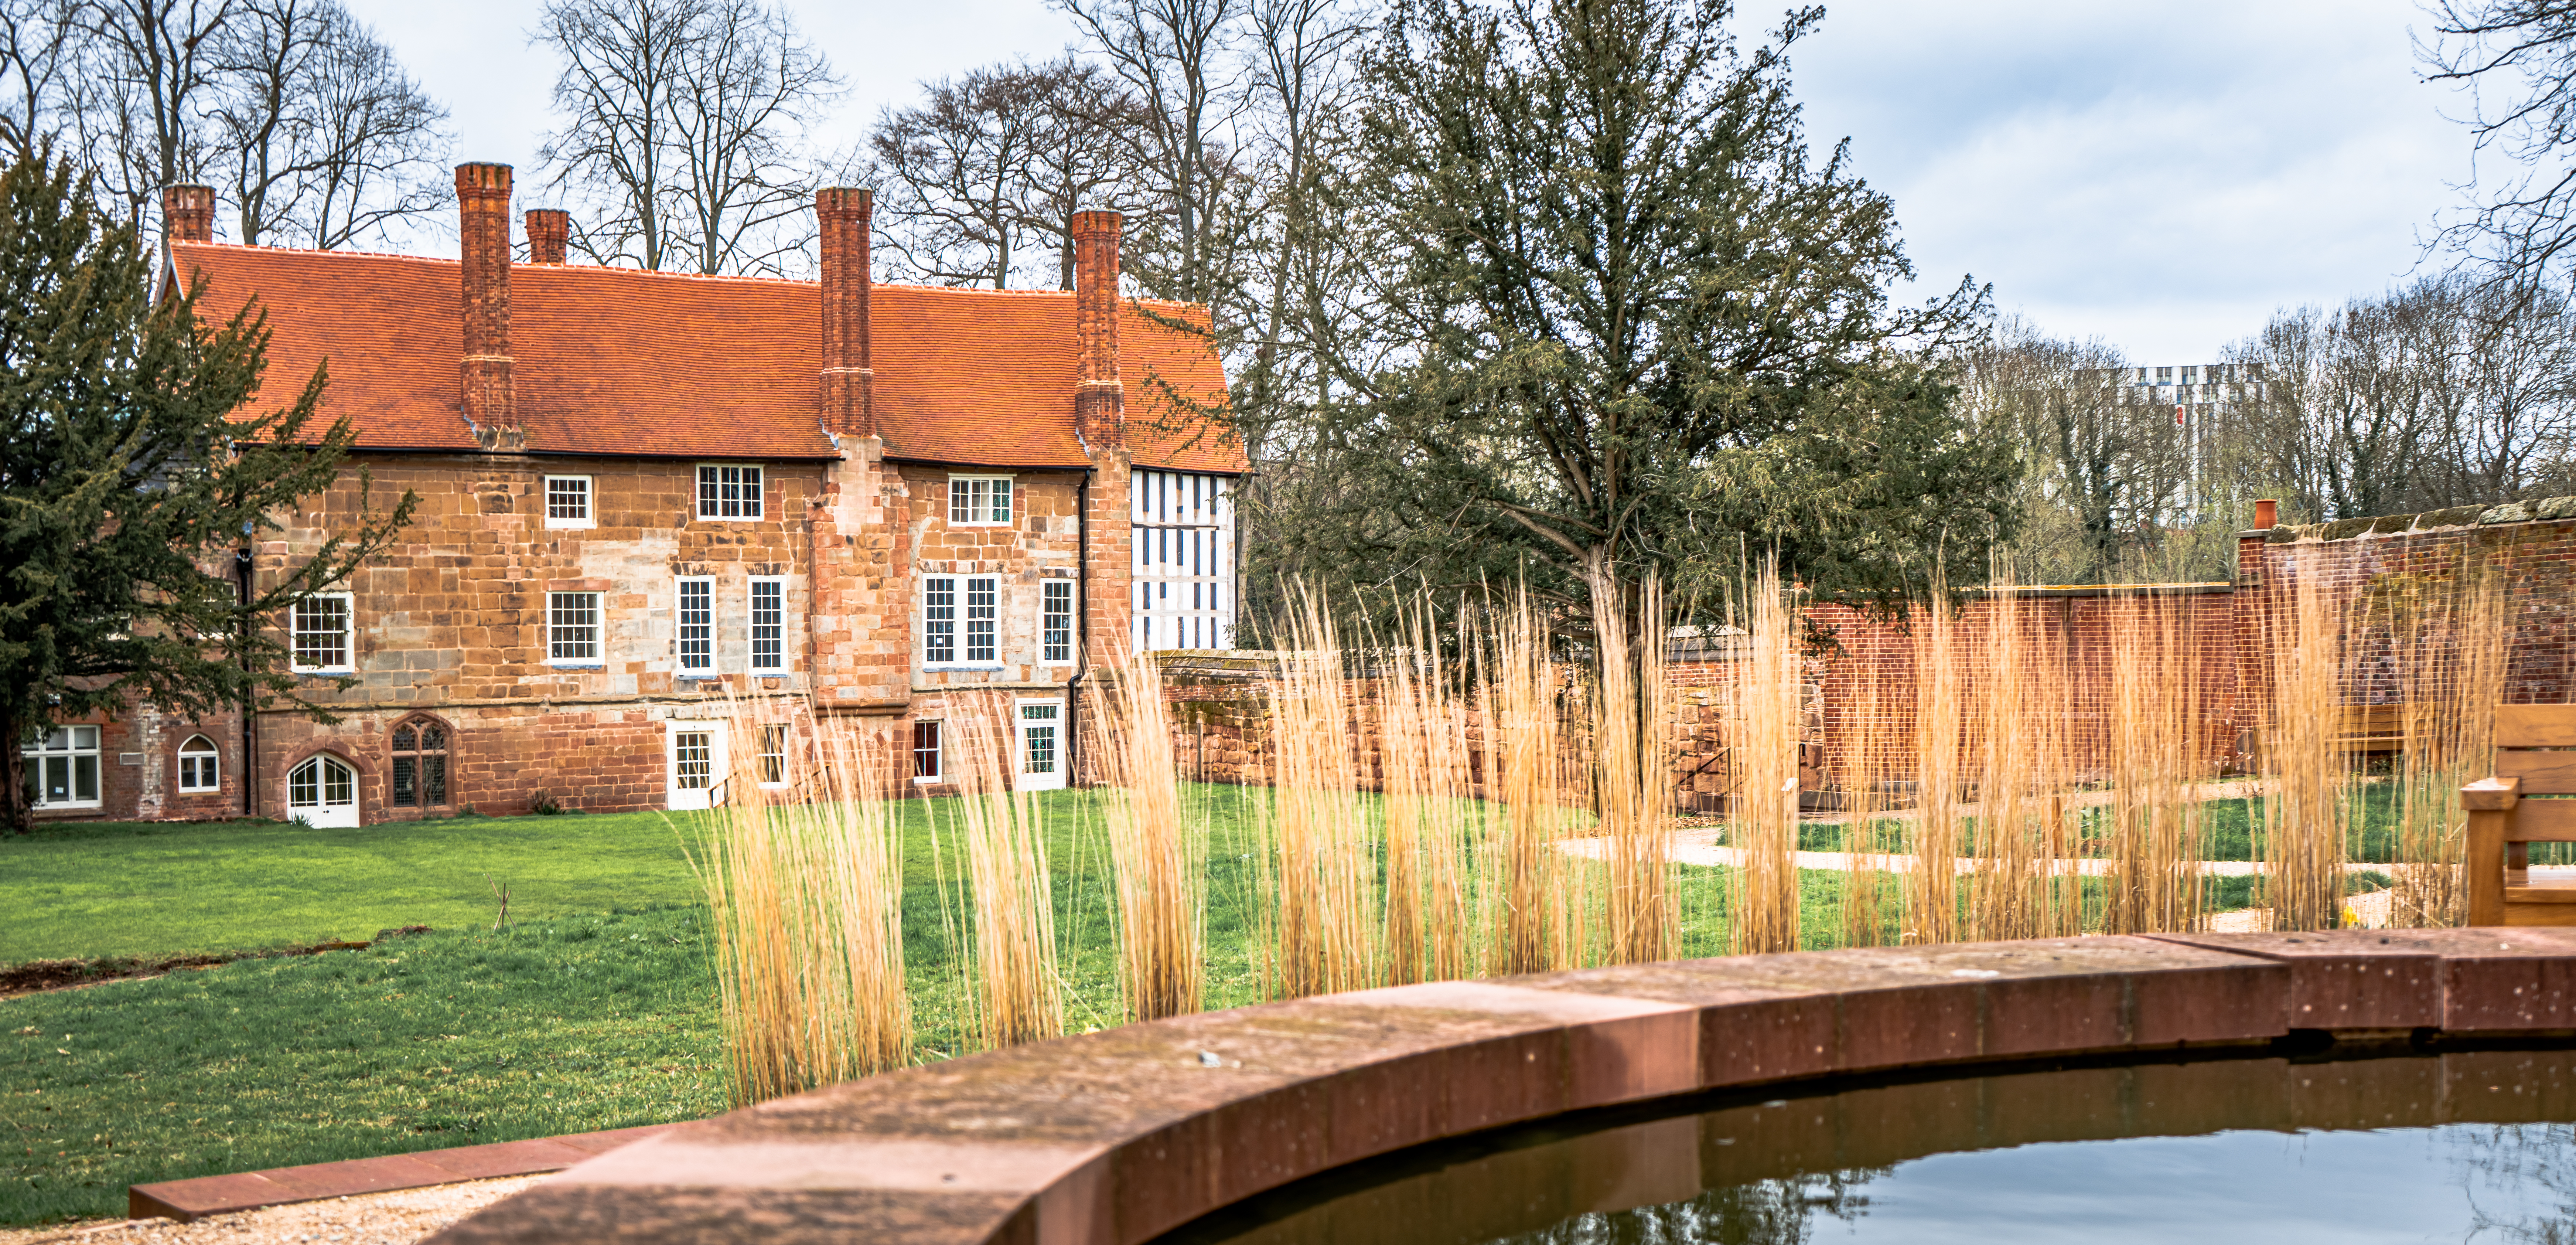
x: 643, y: 492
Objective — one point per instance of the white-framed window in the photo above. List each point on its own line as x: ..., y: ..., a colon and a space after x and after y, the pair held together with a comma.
x: 321, y: 631
x: 959, y: 616
x: 62, y: 767
x: 939, y: 620
x: 572, y: 628
x: 925, y: 751
x: 568, y: 502
x: 201, y: 767
x: 773, y: 755
x: 727, y: 491
x: 323, y: 793
x: 768, y: 624
x: 982, y: 613
x: 979, y: 501
x: 1055, y: 620
x: 1041, y: 745
x: 696, y: 617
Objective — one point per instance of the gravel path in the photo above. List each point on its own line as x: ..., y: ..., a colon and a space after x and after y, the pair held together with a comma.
x: 389, y: 1218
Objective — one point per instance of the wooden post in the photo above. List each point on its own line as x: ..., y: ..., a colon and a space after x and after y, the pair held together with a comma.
x: 2490, y: 803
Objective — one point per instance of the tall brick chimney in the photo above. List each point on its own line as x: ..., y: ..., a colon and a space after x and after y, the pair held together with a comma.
x: 549, y: 235
x: 1099, y: 401
x: 188, y: 212
x: 483, y: 225
x: 844, y: 212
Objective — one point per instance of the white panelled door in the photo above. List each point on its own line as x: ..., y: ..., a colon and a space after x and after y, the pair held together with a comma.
x: 323, y: 793
x: 1041, y: 745
x: 697, y: 764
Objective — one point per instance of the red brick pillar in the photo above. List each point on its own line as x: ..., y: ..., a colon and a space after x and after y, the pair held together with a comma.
x: 1108, y: 560
x: 549, y: 235
x: 1099, y: 403
x: 483, y: 226
x: 844, y: 216
x: 188, y: 212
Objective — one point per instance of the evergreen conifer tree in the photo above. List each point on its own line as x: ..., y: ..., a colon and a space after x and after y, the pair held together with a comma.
x: 133, y: 481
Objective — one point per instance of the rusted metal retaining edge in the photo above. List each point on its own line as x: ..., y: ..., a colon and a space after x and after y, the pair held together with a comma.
x: 1114, y: 1138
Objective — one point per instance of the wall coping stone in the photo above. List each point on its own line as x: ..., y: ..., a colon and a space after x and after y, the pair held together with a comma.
x: 1115, y: 1137
x: 2537, y: 510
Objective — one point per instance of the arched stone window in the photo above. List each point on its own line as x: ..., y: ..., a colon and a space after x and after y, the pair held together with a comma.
x: 420, y: 764
x: 201, y: 767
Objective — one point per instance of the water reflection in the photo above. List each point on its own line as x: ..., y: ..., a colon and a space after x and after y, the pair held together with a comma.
x: 2460, y: 1147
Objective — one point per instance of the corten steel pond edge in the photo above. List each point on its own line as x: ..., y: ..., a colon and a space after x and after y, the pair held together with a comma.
x: 1117, y: 1137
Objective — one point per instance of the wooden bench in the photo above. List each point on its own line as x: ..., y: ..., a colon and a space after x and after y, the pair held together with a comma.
x: 2504, y: 821
x: 2371, y: 728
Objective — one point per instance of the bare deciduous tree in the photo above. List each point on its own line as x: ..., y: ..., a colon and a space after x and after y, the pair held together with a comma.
x: 2449, y: 391
x: 139, y: 93
x: 1180, y: 59
x: 989, y: 166
x: 322, y: 136
x: 39, y: 47
x: 684, y: 120
x: 2104, y: 472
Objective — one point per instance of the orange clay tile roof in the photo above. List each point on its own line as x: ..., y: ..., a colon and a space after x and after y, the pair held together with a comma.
x: 617, y: 361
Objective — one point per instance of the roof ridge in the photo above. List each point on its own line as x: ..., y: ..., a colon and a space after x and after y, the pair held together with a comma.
x: 443, y: 261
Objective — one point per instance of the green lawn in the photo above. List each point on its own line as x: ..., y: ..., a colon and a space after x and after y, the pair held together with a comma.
x: 593, y: 1009
x: 450, y: 1038
x: 122, y: 889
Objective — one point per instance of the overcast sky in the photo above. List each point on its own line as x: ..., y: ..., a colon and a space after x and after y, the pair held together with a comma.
x: 2158, y: 175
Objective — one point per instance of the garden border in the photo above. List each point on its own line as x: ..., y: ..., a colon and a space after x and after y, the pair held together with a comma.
x: 1122, y: 1135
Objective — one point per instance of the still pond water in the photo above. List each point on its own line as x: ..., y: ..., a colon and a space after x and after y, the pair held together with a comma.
x: 2464, y: 1147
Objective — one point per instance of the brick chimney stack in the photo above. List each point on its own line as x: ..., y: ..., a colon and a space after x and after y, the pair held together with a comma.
x: 844, y: 214
x: 483, y: 225
x: 549, y: 235
x: 188, y: 212
x: 1099, y: 401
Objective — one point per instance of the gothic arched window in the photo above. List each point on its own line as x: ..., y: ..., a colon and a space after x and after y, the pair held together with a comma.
x: 420, y: 764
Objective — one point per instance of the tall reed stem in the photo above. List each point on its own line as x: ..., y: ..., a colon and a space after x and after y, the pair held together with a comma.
x: 2304, y: 819
x: 1157, y: 854
x: 1764, y: 739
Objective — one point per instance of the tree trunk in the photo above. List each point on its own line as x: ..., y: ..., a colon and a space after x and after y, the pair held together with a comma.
x: 20, y: 812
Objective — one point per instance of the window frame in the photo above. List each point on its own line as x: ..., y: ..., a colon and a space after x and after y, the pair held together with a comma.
x: 991, y: 622
x: 680, y: 667
x: 960, y: 622
x: 295, y: 633
x: 752, y: 624
x: 209, y: 766
x: 1048, y: 589
x: 1007, y: 493
x: 937, y: 751
x: 759, y: 496
x: 41, y: 754
x: 589, y: 503
x: 1023, y: 726
x: 424, y: 783
x: 931, y: 587
x: 598, y: 660
x: 770, y: 744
